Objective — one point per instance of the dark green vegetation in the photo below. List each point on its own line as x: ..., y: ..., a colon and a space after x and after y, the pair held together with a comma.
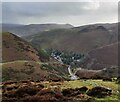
x: 68, y: 58
x: 44, y: 56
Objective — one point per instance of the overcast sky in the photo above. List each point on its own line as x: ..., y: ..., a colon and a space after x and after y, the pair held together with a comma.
x: 75, y: 13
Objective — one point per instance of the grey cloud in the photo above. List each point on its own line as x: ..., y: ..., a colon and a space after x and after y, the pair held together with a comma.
x: 64, y: 12
x: 45, y: 9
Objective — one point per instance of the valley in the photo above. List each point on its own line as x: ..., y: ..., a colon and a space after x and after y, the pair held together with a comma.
x: 64, y: 64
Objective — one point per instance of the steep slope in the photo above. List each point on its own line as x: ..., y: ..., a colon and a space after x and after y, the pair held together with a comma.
x: 15, y: 48
x: 24, y: 30
x: 103, y: 57
x: 75, y: 39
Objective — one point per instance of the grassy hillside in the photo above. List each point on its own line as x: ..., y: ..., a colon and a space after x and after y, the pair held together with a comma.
x: 23, y: 70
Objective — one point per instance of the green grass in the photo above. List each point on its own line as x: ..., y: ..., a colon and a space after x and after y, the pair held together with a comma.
x: 76, y: 84
x: 81, y: 83
x: 109, y: 84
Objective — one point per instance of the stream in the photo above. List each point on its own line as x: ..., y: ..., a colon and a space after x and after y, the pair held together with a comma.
x: 73, y: 76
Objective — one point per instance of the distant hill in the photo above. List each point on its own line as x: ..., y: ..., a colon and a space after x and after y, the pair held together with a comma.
x: 25, y: 30
x: 5, y: 26
x: 78, y: 39
x: 15, y: 48
x: 103, y: 57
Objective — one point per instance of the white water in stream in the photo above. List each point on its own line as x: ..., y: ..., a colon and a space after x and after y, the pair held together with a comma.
x: 58, y: 58
x: 73, y: 76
